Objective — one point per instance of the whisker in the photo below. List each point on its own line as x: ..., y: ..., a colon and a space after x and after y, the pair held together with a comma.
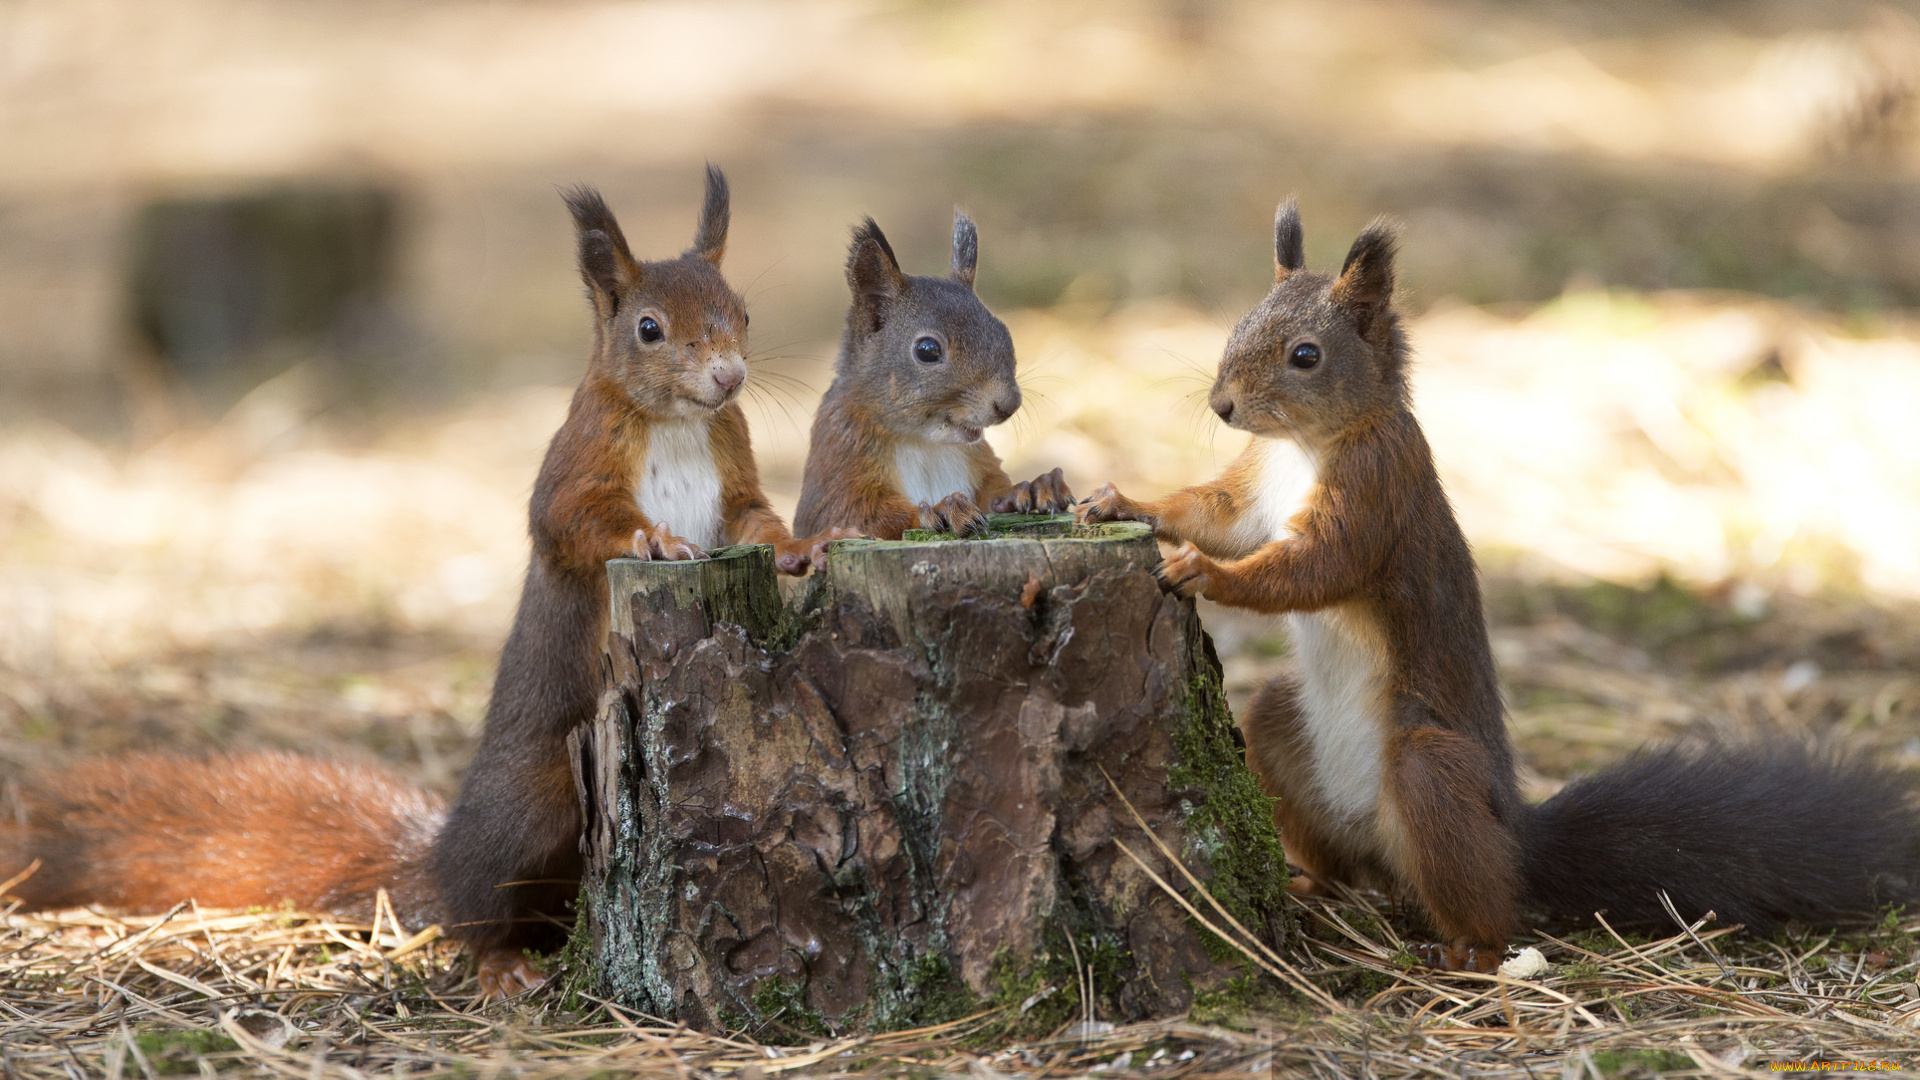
x: 777, y: 391
x: 1207, y: 302
x: 761, y: 353
x: 792, y: 383
x: 768, y: 269
x: 762, y: 396
x: 1040, y: 396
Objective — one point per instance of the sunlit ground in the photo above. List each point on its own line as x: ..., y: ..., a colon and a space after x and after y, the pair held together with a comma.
x: 1689, y: 510
x: 1694, y: 510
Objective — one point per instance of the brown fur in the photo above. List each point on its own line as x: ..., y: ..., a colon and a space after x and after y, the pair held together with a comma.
x: 1387, y: 754
x: 146, y: 832
x: 1376, y: 542
x: 883, y: 397
x: 1277, y: 752
x: 517, y: 818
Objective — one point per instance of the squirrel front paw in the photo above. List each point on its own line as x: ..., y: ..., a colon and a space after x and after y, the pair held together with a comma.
x: 505, y: 972
x: 956, y: 514
x: 1108, y: 504
x: 657, y: 543
x: 1481, y: 958
x: 795, y: 555
x: 1046, y: 494
x: 1187, y: 571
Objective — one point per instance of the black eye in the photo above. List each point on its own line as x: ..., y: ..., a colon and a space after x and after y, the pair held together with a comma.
x: 746, y: 320
x: 928, y: 351
x: 650, y: 331
x: 1304, y: 356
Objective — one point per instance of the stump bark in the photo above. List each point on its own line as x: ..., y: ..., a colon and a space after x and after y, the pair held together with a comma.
x: 887, y: 802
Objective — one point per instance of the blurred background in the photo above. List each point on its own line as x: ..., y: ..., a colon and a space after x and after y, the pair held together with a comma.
x: 288, y: 313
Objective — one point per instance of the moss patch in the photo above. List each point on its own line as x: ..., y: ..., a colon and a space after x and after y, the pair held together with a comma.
x: 779, y: 1015
x: 1037, y: 997
x: 180, y: 1049
x: 1230, y: 828
x: 1022, y: 527
x: 572, y: 967
x: 1239, y: 1002
x: 1632, y: 1063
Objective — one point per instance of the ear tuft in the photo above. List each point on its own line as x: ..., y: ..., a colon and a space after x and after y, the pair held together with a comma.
x: 1365, y: 286
x: 605, y: 262
x: 716, y: 213
x: 873, y: 273
x: 966, y: 249
x: 1289, y: 243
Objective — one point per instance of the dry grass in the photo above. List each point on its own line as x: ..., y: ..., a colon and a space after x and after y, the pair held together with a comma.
x: 278, y: 579
x: 82, y: 993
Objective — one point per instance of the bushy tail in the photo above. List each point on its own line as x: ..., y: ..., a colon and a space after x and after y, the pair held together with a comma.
x: 1760, y: 834
x: 146, y: 831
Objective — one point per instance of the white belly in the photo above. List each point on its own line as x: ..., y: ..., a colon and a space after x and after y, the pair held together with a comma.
x: 930, y: 472
x: 1340, y: 654
x: 1343, y: 704
x: 678, y: 483
x: 1281, y: 485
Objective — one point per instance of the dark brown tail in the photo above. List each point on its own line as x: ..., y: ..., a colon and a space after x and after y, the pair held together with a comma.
x: 147, y: 831
x: 1760, y: 834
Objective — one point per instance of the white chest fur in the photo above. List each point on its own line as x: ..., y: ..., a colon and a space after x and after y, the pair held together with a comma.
x: 1340, y: 653
x: 1343, y: 703
x: 678, y: 482
x: 931, y: 471
x: 1281, y: 483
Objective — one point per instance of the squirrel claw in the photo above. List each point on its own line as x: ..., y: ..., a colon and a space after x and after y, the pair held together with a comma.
x: 1185, y: 571
x: 659, y: 543
x: 795, y: 555
x: 1481, y: 958
x: 1045, y: 494
x: 956, y: 514
x: 1107, y: 504
x: 506, y: 972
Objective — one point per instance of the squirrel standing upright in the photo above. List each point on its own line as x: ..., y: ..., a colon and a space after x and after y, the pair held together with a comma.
x: 1387, y: 749
x: 924, y: 368
x: 653, y: 461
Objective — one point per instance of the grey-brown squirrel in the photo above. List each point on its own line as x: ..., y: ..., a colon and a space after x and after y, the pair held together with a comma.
x: 924, y: 369
x: 653, y: 461
x: 1387, y: 748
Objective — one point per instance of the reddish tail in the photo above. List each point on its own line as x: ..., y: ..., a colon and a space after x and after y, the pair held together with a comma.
x: 147, y: 831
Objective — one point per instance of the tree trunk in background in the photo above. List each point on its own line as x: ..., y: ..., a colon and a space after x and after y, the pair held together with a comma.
x: 883, y: 804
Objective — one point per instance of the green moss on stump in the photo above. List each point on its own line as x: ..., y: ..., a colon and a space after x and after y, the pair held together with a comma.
x: 1231, y: 830
x: 1017, y: 527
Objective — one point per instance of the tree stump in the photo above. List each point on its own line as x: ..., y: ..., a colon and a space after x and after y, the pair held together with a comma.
x: 887, y: 802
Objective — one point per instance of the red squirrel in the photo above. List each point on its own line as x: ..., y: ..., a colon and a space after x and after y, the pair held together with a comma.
x: 1386, y: 749
x: 924, y: 369
x: 653, y: 461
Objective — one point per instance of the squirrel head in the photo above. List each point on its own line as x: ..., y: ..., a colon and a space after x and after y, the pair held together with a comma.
x: 1320, y: 354
x: 671, y: 333
x: 924, y: 351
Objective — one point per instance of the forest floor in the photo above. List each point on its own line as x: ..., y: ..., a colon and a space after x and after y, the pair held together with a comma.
x: 295, y: 576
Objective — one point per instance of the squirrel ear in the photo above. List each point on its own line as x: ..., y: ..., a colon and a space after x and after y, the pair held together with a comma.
x: 966, y: 249
x: 874, y: 275
x: 1365, y: 286
x: 605, y: 263
x: 710, y: 242
x: 1289, y: 244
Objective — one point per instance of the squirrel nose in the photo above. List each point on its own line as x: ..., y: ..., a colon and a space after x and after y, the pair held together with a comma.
x: 729, y: 379
x: 1003, y: 409
x: 1225, y: 409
